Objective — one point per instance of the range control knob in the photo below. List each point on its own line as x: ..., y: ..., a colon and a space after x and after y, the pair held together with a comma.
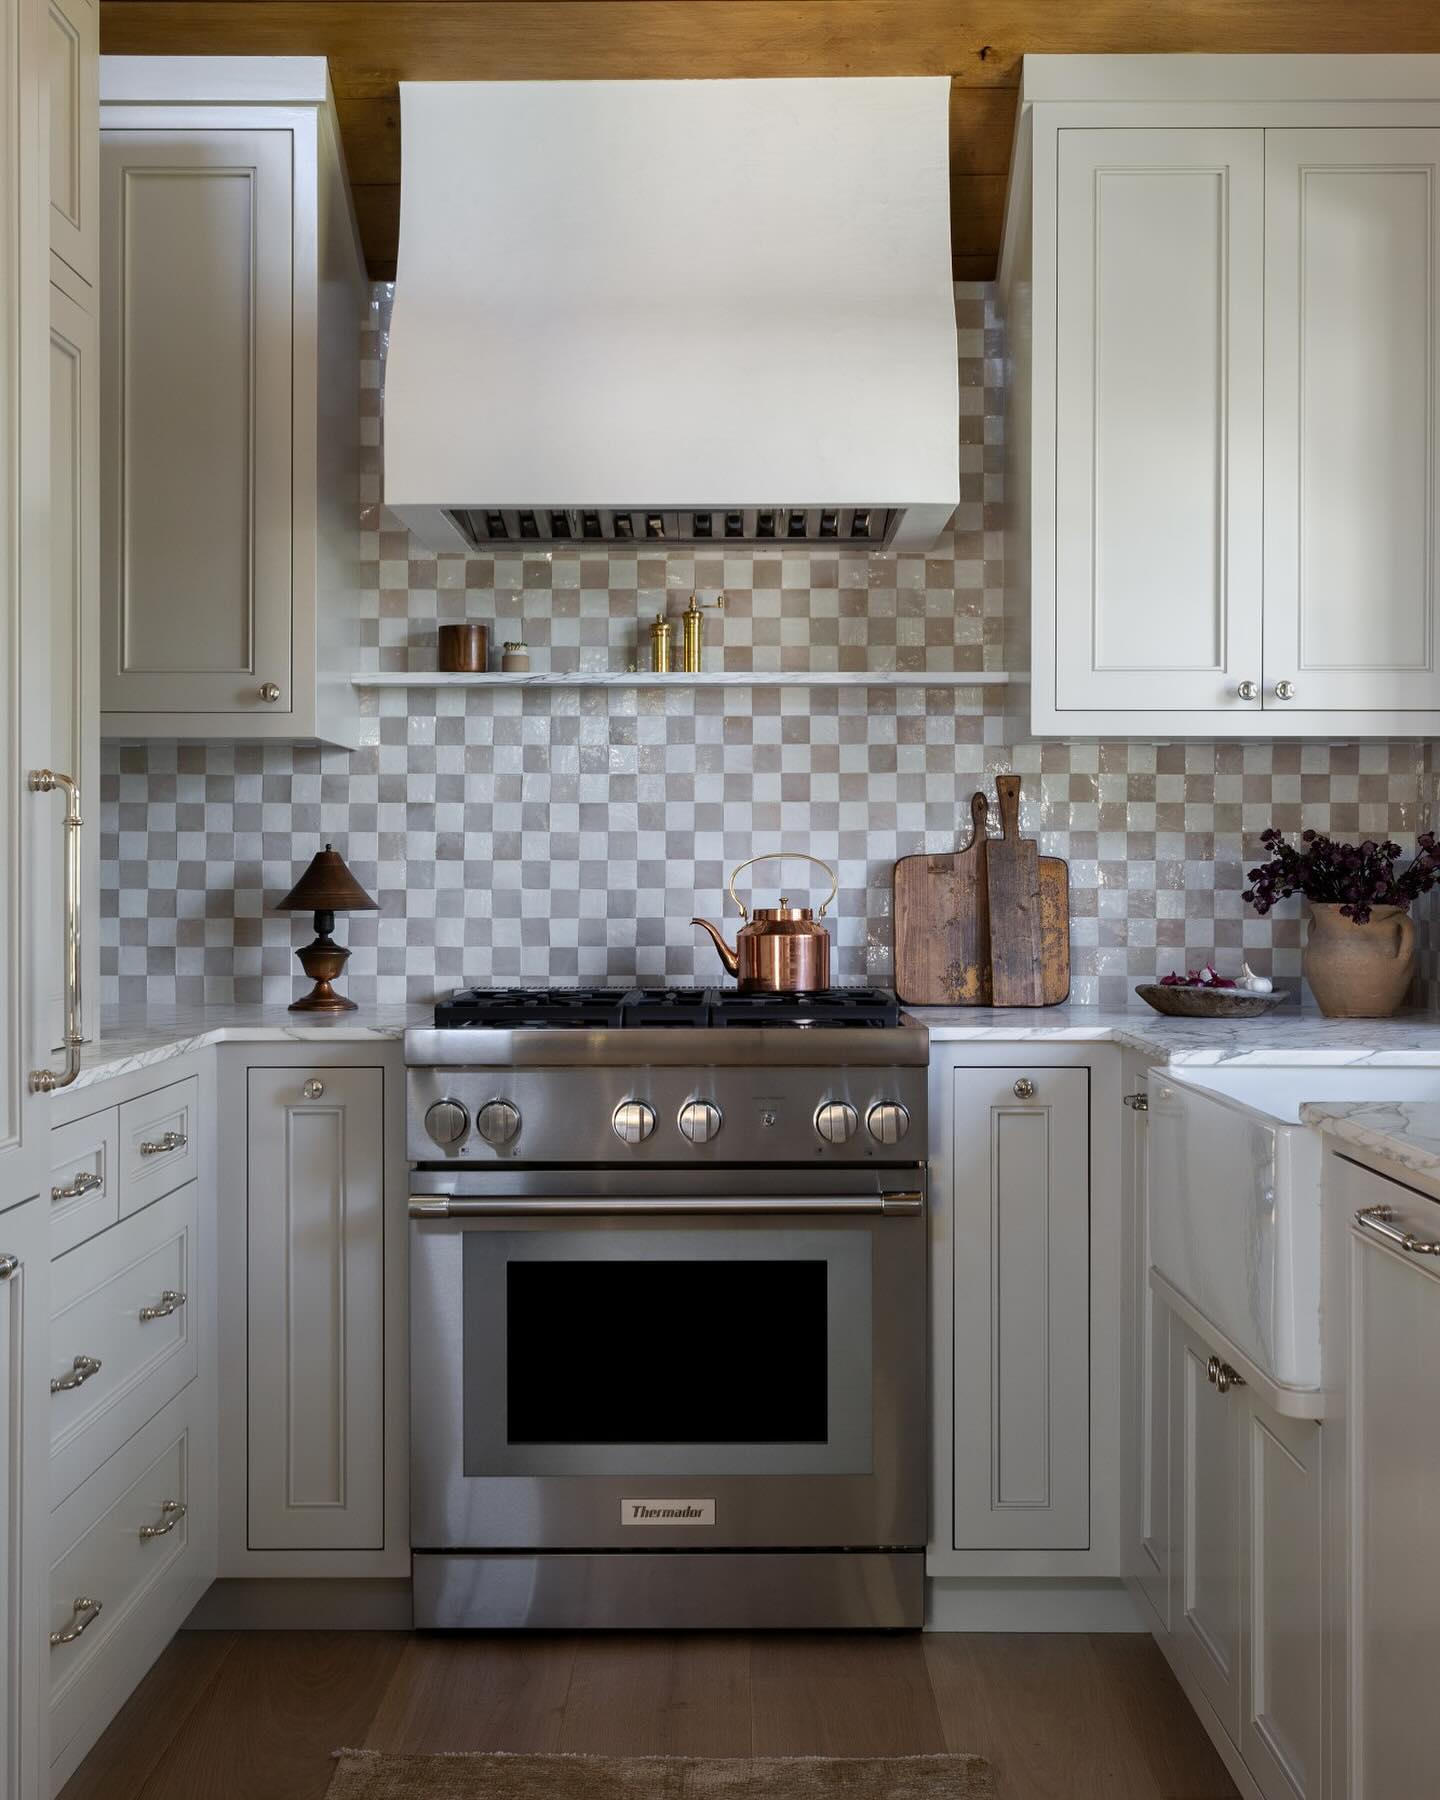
x: 447, y: 1122
x: 497, y: 1122
x: 888, y: 1121
x: 633, y: 1121
x: 700, y: 1120
x: 837, y: 1121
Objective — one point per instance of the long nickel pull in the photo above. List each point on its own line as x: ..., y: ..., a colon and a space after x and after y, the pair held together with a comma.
x: 45, y: 781
x: 1379, y: 1220
x: 84, y: 1613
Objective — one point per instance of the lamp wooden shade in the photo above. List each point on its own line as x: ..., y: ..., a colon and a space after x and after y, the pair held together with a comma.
x: 326, y: 887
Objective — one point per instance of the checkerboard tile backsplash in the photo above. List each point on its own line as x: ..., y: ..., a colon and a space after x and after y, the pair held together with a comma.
x: 571, y: 834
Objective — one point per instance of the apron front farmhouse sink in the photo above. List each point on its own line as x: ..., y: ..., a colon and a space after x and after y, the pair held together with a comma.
x: 1234, y: 1195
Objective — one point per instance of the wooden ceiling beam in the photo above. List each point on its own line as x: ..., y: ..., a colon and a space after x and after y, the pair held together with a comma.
x: 372, y: 45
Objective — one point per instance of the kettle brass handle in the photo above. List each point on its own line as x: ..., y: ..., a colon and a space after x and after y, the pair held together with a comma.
x: 784, y: 856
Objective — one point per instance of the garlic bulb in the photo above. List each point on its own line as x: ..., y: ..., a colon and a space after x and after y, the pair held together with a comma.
x: 1253, y: 983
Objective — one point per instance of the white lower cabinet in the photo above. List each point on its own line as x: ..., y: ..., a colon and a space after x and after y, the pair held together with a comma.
x: 1246, y: 1566
x: 1025, y: 1260
x: 1205, y: 1503
x: 24, y: 1321
x: 314, y: 1455
x: 132, y: 1550
x: 1393, y: 1487
x: 1281, y: 1704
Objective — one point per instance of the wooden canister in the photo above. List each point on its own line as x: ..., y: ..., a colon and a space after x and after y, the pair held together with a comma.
x: 465, y: 649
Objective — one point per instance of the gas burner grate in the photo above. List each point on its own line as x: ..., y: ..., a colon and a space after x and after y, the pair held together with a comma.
x: 621, y: 1008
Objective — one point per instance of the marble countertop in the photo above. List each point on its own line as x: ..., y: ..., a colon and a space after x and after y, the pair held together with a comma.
x: 1284, y: 1035
x: 136, y: 1038
x: 1405, y: 1133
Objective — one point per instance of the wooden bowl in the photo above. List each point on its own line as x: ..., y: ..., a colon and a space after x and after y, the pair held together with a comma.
x: 1208, y: 1002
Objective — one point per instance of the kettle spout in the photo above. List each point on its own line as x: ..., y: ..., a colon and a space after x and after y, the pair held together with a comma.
x: 729, y: 957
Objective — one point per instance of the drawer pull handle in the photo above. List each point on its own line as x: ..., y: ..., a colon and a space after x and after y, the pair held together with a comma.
x: 1379, y: 1220
x: 9, y: 1266
x: 171, y: 1513
x: 80, y: 1372
x: 168, y: 1140
x: 84, y: 1614
x: 170, y: 1302
x: 86, y: 1182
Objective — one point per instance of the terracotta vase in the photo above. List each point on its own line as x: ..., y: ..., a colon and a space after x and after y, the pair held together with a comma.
x: 1359, y: 971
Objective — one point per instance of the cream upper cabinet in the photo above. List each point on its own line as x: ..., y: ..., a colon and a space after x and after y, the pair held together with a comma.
x: 1158, y: 422
x: 198, y: 263
x: 1352, y: 396
x: 233, y: 295
x: 74, y: 44
x: 1222, y: 484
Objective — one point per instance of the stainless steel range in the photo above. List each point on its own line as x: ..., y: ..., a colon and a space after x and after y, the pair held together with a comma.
x: 668, y: 1310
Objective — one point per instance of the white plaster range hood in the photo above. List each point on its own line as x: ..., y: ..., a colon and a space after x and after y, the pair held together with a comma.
x: 674, y: 310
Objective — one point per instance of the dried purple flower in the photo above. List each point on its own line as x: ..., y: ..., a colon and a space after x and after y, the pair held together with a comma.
x: 1357, y: 877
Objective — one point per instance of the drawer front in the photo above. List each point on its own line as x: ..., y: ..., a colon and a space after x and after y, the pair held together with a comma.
x: 84, y: 1179
x: 154, y: 1486
x: 125, y: 1301
x: 158, y: 1144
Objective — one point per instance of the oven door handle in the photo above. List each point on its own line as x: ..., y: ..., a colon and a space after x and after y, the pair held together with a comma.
x: 437, y: 1207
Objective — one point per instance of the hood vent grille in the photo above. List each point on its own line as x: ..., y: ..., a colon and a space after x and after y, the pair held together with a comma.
x: 856, y: 527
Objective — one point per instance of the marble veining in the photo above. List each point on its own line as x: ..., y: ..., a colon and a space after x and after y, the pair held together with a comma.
x: 133, y: 1037
x: 1405, y: 1133
x: 1282, y: 1036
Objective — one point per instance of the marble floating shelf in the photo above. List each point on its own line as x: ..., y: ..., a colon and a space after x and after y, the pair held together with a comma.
x: 646, y: 678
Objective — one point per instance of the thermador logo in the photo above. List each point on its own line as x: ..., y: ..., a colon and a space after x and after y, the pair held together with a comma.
x: 667, y: 1512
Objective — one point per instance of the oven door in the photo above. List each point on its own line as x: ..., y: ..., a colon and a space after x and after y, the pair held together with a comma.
x: 743, y: 1365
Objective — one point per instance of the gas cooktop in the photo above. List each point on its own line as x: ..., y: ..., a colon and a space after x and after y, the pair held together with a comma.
x: 621, y: 1008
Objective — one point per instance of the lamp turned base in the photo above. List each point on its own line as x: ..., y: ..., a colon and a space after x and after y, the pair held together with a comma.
x: 322, y: 961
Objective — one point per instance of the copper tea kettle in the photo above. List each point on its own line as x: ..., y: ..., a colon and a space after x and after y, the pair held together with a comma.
x: 778, y: 949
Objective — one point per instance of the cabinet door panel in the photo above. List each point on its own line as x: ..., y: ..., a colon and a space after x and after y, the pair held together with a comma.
x: 1158, y: 418
x: 1207, y: 1512
x: 1022, y: 1303
x: 197, y: 419
x: 1351, y: 394
x: 1281, y: 1721
x: 75, y: 622
x: 74, y: 29
x: 1394, y: 1477
x: 315, y: 1311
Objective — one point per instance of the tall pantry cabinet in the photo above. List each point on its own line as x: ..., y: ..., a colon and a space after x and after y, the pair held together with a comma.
x: 1219, y: 281
x: 74, y: 134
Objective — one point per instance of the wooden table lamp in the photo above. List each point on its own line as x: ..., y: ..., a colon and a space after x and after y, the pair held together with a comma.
x: 326, y: 887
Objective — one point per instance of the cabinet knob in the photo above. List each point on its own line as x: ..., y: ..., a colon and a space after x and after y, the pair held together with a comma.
x: 1248, y: 690
x: 270, y: 692
x: 1024, y: 1088
x: 313, y: 1089
x: 1227, y: 1378
x: 1284, y: 690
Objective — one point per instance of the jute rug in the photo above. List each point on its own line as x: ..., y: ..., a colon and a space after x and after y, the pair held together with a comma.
x: 369, y: 1775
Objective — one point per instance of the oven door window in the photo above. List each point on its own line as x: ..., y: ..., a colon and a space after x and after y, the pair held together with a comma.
x: 659, y: 1352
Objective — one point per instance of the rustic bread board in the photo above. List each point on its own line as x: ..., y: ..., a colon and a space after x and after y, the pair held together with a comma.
x: 1029, y: 898
x: 942, y: 923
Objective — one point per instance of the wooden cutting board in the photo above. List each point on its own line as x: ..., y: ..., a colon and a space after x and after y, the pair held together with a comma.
x: 1029, y: 897
x: 942, y: 923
